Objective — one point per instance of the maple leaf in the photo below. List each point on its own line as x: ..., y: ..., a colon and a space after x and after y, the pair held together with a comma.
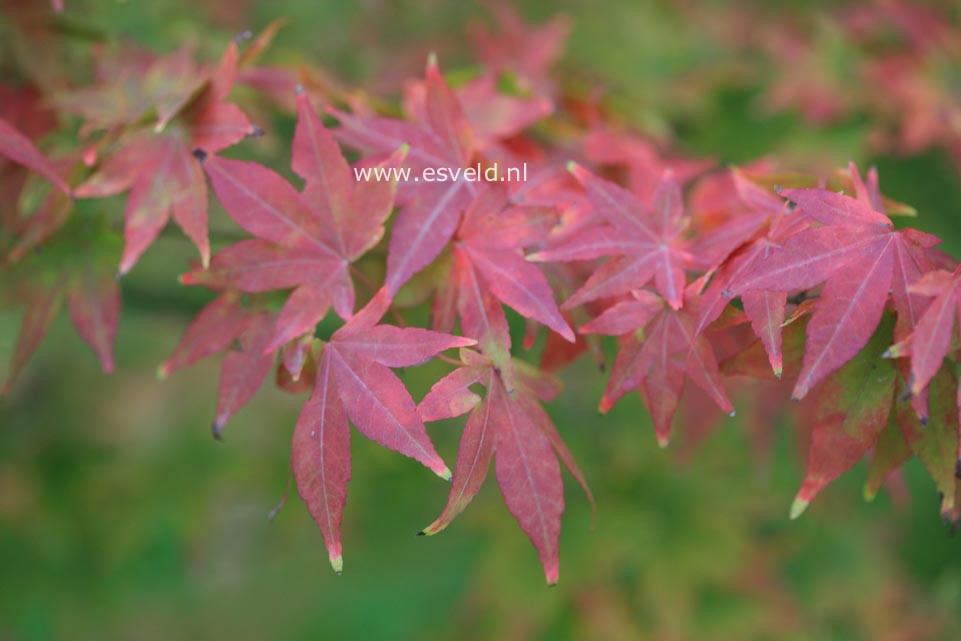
x: 857, y: 252
x: 492, y: 116
x: 765, y: 310
x: 933, y: 336
x: 526, y: 51
x: 746, y: 210
x: 158, y: 166
x: 643, y: 241
x: 93, y: 303
x: 511, y: 429
x: 430, y: 210
x: 220, y: 324
x: 859, y: 408
x: 657, y: 363
x: 354, y: 381
x: 305, y: 241
x: 16, y: 146
x: 487, y: 258
x: 31, y: 228
x: 643, y: 162
x: 850, y: 411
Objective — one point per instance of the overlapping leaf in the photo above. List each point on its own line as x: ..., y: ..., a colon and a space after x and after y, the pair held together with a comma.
x: 660, y: 348
x: 431, y: 210
x: 354, y: 381
x: 512, y: 429
x: 305, y: 241
x: 157, y: 165
x: 645, y: 242
x: 860, y: 257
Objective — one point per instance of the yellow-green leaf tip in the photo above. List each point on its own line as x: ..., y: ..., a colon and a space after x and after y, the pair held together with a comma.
x: 798, y: 507
x: 337, y: 562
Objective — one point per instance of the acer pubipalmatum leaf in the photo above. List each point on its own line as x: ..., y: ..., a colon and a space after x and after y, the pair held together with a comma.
x: 92, y: 299
x: 511, y: 428
x: 157, y: 164
x: 660, y: 348
x: 20, y: 149
x: 486, y: 250
x: 354, y: 381
x: 430, y: 210
x: 306, y: 241
x: 860, y: 257
x: 644, y: 241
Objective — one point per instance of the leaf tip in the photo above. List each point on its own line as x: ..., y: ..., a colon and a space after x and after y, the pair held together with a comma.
x: 869, y: 493
x: 663, y: 440
x: 552, y: 574
x: 798, y: 506
x: 163, y: 371
x: 337, y: 562
x: 217, y: 428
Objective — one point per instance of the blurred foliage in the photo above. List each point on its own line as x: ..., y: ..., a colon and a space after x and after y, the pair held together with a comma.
x: 120, y: 518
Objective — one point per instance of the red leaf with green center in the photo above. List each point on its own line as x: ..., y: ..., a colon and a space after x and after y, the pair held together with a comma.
x: 850, y: 410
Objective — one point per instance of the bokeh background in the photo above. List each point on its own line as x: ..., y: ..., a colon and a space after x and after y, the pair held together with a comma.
x: 121, y: 518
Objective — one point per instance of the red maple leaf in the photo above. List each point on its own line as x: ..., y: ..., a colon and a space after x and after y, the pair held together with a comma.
x: 220, y: 324
x: 645, y: 242
x: 487, y: 257
x: 641, y: 159
x: 860, y: 257
x: 354, y: 381
x: 672, y: 350
x: 157, y: 165
x: 511, y: 428
x: 492, y: 116
x: 93, y: 302
x: 765, y: 309
x: 16, y: 146
x: 526, y: 51
x: 305, y: 241
x: 430, y: 210
x: 935, y: 332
